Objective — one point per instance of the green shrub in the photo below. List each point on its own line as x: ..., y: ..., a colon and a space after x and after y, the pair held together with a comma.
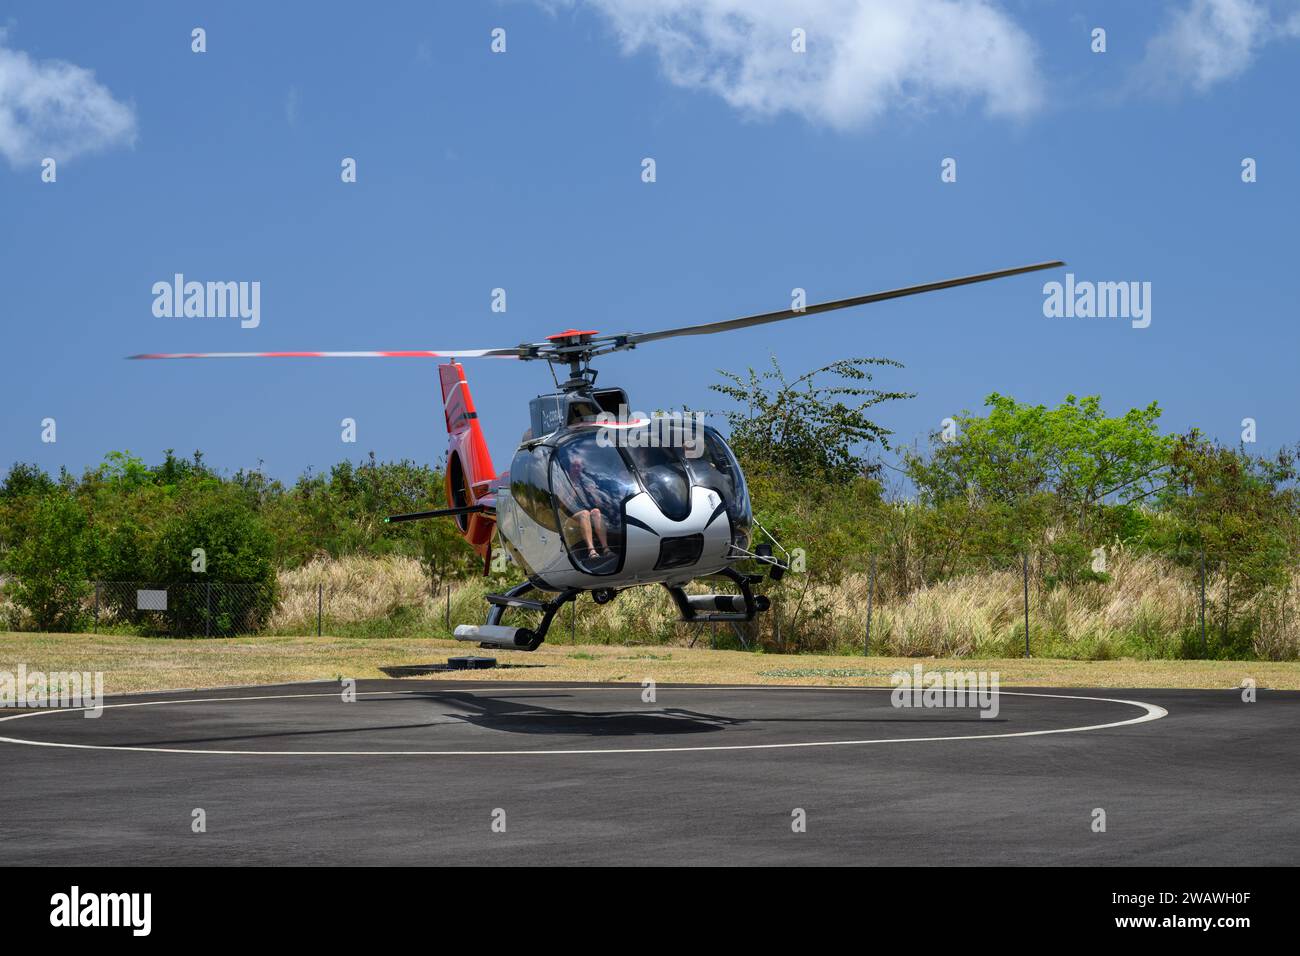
x: 52, y: 564
x: 238, y: 551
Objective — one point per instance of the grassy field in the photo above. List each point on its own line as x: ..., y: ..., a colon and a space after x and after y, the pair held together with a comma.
x: 131, y: 663
x: 1148, y: 609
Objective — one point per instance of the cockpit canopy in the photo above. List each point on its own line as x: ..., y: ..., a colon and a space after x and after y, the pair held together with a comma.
x: 578, y: 481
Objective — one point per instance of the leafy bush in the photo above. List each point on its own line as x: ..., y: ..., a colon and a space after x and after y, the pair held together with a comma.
x: 237, y: 550
x: 805, y: 428
x: 52, y: 564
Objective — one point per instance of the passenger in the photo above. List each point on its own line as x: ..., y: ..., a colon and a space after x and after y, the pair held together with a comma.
x: 590, y: 522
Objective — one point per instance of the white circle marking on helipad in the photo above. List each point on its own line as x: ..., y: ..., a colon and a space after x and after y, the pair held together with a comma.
x: 1150, y: 712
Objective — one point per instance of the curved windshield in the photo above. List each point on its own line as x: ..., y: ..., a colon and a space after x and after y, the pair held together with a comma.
x: 714, y: 466
x: 589, y: 483
x: 663, y: 472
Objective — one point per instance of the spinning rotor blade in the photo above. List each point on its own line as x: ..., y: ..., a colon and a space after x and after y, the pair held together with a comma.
x: 419, y: 353
x: 636, y: 338
x: 572, y: 345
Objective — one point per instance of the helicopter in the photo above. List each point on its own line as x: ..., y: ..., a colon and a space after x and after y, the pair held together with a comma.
x: 596, y: 500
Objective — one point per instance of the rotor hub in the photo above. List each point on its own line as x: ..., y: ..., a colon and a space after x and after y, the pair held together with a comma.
x: 572, y: 337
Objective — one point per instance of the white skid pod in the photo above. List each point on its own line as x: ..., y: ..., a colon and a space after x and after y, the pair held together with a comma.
x: 496, y: 635
x: 710, y: 608
x: 717, y: 602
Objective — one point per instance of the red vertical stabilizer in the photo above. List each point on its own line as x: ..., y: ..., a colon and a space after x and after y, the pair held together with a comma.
x: 469, y: 466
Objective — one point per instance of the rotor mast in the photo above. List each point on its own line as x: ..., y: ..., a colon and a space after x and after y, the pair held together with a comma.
x: 574, y: 348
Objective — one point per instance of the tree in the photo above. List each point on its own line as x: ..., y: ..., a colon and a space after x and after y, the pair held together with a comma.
x: 1074, y: 452
x: 20, y: 493
x: 343, y: 512
x: 237, y: 551
x: 53, y: 564
x: 1237, y: 508
x: 806, y: 429
x: 24, y: 480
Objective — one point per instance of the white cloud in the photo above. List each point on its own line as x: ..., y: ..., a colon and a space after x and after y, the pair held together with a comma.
x: 1208, y: 41
x: 53, y: 108
x: 864, y: 57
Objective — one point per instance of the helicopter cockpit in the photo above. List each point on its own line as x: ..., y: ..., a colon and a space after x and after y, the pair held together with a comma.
x: 638, y: 499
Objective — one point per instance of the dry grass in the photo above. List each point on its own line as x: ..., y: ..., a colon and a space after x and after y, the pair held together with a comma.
x: 372, y: 602
x: 1144, y: 609
x: 1148, y: 609
x: 359, y: 589
x: 132, y: 663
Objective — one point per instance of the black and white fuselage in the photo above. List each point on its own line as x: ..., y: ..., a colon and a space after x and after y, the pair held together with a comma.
x: 589, y: 507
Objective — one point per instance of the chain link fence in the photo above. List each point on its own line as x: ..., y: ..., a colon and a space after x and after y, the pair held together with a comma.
x: 1167, y: 603
x: 1173, y: 602
x: 202, y: 609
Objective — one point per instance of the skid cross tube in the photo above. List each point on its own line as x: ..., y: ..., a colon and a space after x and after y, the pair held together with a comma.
x: 514, y: 598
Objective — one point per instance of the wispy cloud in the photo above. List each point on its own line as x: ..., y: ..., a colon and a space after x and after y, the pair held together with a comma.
x: 58, y: 109
x: 1206, y: 42
x: 864, y: 58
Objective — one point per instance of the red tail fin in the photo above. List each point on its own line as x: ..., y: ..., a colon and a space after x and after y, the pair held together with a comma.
x: 462, y: 424
x: 469, y: 466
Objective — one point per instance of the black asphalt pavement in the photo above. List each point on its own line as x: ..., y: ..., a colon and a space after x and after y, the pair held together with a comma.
x: 428, y: 772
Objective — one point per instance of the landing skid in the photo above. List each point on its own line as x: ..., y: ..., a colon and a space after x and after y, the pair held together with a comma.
x: 733, y: 609
x: 495, y: 634
x: 721, y: 608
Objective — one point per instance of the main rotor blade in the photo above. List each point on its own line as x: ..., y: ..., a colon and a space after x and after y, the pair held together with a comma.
x: 636, y: 338
x: 418, y: 353
x: 564, y: 353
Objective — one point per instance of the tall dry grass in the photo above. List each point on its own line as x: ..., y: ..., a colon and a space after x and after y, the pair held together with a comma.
x: 1149, y: 608
x: 359, y: 589
x: 1145, y: 609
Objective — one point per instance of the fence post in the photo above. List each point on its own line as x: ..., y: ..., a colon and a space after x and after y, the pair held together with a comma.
x: 1227, y: 599
x: 449, y: 608
x: 207, y: 617
x: 1026, y: 565
x: 94, y: 629
x: 320, y: 605
x: 871, y: 588
x: 1203, y: 651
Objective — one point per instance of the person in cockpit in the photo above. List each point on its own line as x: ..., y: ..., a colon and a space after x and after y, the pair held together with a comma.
x: 581, y: 505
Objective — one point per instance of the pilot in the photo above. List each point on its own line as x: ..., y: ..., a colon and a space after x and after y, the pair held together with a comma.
x: 590, y: 522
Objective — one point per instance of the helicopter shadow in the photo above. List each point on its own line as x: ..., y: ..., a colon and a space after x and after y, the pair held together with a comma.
x: 513, y: 715
x: 521, y: 714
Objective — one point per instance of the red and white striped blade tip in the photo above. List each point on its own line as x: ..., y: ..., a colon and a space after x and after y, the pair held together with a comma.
x: 412, y: 353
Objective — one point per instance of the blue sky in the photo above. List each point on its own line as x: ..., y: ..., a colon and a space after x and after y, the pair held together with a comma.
x: 522, y: 171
